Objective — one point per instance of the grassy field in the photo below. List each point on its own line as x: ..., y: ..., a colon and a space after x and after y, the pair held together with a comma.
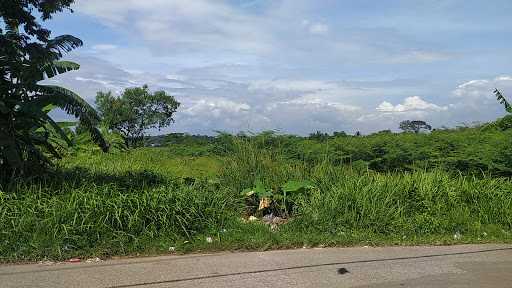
x: 151, y: 201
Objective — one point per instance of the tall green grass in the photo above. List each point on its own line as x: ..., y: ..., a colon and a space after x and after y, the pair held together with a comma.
x: 402, y: 203
x: 143, y: 202
x: 417, y: 203
x: 106, y: 219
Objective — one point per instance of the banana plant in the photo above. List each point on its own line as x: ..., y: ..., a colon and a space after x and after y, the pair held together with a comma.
x: 259, y: 194
x: 25, y: 125
x: 281, y: 200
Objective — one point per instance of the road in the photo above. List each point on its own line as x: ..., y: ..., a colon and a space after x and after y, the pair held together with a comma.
x: 446, y: 266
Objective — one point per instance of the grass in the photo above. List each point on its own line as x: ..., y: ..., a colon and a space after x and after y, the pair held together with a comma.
x: 161, y: 161
x: 148, y: 200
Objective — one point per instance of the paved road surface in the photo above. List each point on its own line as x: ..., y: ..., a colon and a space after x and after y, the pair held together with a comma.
x: 453, y: 266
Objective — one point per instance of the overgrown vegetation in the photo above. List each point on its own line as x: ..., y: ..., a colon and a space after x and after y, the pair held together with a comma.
x: 152, y: 200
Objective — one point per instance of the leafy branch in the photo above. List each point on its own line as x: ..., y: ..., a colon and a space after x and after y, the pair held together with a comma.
x: 503, y: 100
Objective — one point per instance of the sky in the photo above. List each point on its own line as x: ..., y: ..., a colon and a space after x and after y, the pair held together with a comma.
x: 297, y: 66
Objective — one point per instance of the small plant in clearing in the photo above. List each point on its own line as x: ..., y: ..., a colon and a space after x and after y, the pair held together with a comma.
x: 279, y: 201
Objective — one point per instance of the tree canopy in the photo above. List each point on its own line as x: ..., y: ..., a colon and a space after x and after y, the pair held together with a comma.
x: 414, y: 126
x: 135, y: 111
x: 20, y: 13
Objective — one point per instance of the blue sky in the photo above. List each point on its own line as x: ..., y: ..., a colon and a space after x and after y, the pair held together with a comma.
x: 298, y: 66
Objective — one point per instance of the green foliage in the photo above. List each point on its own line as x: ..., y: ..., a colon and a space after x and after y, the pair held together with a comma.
x: 279, y: 201
x: 83, y: 142
x: 106, y: 219
x: 409, y: 204
x: 135, y: 111
x: 28, y: 55
x: 471, y: 151
x: 148, y: 199
x: 294, y: 186
x: 504, y: 123
x: 414, y: 126
x: 21, y: 13
x: 319, y: 136
x: 503, y: 100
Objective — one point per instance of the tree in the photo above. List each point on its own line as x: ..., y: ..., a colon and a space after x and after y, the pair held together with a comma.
x: 319, y: 136
x: 27, y: 56
x: 135, y: 111
x: 414, y: 126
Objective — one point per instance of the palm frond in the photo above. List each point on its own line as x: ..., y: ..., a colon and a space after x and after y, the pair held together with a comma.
x: 67, y: 124
x: 503, y: 100
x: 34, y: 116
x: 56, y: 127
x: 64, y: 43
x: 73, y: 104
x: 37, y: 154
x: 67, y: 100
x: 55, y: 68
x: 50, y: 149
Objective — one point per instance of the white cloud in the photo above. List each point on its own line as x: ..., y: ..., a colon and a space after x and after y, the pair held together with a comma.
x: 215, y: 107
x: 389, y: 116
x: 319, y: 29
x: 414, y: 103
x: 292, y: 85
x: 290, y: 105
x: 102, y: 82
x: 418, y: 57
x: 295, y: 106
x: 104, y: 47
x: 315, y: 28
x: 476, y: 100
x: 182, y: 25
x: 227, y: 32
x: 504, y: 78
x: 319, y: 103
x: 481, y: 90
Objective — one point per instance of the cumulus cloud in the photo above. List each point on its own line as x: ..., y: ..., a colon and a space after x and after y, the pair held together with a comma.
x: 414, y: 103
x: 215, y: 107
x: 388, y: 116
x: 481, y: 89
x: 474, y: 100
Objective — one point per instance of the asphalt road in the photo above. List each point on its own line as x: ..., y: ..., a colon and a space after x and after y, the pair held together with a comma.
x: 448, y: 266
